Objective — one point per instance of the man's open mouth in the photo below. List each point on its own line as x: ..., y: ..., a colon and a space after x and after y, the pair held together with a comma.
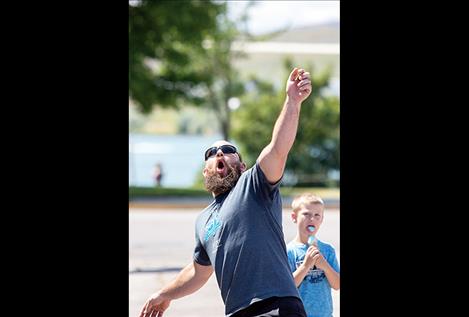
x: 221, y: 168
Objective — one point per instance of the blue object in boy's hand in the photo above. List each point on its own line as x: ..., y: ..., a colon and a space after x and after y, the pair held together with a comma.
x: 311, y: 238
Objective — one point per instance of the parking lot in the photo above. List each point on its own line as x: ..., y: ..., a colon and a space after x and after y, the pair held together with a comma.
x: 161, y: 242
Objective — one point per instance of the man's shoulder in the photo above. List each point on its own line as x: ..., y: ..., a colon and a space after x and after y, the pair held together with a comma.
x: 249, y: 170
x: 205, y: 211
x: 253, y: 173
x: 244, y: 177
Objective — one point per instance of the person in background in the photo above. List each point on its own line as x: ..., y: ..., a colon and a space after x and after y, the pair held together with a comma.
x: 158, y: 174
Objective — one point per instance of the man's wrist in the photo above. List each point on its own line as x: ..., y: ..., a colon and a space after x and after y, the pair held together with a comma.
x: 292, y: 102
x: 164, y: 294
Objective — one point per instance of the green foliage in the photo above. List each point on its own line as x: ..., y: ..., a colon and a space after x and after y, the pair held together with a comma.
x: 167, y: 35
x: 254, y: 120
x: 180, y: 54
x: 316, y: 149
x: 158, y: 192
x: 135, y: 192
x: 225, y: 82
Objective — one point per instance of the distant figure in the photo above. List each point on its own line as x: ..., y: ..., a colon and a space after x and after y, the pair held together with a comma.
x: 158, y: 174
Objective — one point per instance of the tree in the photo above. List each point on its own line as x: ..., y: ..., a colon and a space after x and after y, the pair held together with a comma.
x: 224, y: 82
x: 315, y: 152
x: 164, y: 36
x: 184, y: 59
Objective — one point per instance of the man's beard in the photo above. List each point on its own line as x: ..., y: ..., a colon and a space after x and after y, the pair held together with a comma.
x: 214, y: 183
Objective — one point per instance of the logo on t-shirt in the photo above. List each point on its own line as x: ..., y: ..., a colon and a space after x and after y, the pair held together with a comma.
x: 314, y: 275
x: 212, y: 227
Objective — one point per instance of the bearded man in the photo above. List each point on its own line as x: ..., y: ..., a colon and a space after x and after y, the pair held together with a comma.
x: 239, y: 235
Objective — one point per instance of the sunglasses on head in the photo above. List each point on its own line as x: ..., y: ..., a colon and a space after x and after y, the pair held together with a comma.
x: 226, y: 149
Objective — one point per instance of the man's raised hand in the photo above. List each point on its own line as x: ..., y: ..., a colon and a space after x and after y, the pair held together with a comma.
x: 298, y: 85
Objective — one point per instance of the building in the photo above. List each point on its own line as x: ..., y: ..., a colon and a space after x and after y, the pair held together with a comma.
x: 317, y: 45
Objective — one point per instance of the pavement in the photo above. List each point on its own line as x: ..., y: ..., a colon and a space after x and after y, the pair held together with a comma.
x: 202, y: 202
x: 161, y: 242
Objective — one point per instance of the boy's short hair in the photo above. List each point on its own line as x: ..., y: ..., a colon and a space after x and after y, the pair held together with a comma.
x: 304, y: 199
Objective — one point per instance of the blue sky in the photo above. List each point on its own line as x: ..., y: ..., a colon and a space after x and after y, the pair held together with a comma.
x: 266, y: 16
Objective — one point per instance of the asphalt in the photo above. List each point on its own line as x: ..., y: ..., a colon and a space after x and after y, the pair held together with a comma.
x: 202, y: 202
x: 161, y: 243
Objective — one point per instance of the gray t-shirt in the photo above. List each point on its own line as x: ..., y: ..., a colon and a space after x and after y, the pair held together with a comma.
x: 240, y: 234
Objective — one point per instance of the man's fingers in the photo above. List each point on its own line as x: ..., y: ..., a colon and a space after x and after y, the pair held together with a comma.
x: 305, y: 75
x: 144, y: 310
x: 299, y: 75
x: 303, y: 82
x: 147, y: 310
x: 294, y: 74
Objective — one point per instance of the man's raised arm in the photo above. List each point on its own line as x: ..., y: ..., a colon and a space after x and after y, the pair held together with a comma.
x: 274, y: 156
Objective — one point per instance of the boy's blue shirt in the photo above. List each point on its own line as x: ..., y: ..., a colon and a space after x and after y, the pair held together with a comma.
x: 315, y: 290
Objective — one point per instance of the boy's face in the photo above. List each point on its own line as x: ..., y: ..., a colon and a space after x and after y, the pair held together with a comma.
x: 308, y: 215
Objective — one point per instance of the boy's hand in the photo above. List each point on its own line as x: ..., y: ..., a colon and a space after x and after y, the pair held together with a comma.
x: 318, y: 258
x: 298, y: 86
x: 311, y: 256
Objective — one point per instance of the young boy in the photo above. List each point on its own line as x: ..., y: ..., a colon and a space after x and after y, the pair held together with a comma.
x: 313, y: 262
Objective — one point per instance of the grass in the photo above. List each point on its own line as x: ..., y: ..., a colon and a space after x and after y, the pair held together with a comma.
x: 149, y: 192
x: 320, y: 191
x: 165, y: 192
